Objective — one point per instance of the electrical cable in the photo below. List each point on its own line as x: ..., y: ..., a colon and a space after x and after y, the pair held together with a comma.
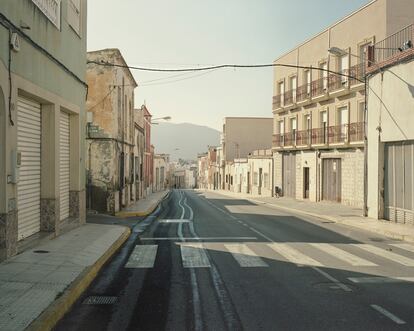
x: 102, y: 100
x: 179, y: 80
x: 10, y: 80
x: 222, y: 66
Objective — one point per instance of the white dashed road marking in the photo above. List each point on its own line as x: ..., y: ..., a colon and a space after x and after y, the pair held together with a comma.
x: 386, y: 254
x: 245, y: 256
x: 293, y: 255
x: 388, y: 314
x: 194, y: 256
x: 143, y: 256
x: 343, y: 255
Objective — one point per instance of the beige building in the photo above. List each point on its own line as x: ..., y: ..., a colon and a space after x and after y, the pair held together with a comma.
x: 42, y: 116
x: 202, y: 171
x: 319, y: 116
x: 139, y: 154
x: 390, y: 129
x: 111, y: 132
x: 261, y: 171
x: 239, y: 137
x: 160, y: 172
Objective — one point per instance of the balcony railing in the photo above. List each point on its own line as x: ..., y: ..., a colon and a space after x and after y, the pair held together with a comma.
x: 338, y: 134
x: 320, y: 136
x: 352, y: 76
x: 304, y: 92
x: 319, y: 86
x: 276, y: 101
x: 278, y: 140
x: 394, y: 44
x: 304, y: 137
x: 356, y: 74
x: 356, y: 132
x: 290, y: 138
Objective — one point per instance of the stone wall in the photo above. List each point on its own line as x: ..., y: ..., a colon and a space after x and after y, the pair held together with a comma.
x: 8, y: 235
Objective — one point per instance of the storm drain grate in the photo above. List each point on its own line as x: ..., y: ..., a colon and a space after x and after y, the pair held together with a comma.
x: 99, y: 300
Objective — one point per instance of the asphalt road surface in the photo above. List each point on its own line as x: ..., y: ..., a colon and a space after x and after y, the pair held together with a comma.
x: 209, y: 262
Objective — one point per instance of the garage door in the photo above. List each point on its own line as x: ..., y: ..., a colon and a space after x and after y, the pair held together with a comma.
x: 289, y: 175
x: 331, y: 180
x: 64, y: 169
x: 399, y: 182
x: 28, y: 187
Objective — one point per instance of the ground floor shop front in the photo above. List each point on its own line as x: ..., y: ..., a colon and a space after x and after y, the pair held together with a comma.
x: 335, y: 175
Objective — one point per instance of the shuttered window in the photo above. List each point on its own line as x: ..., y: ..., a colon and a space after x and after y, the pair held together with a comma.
x: 28, y: 187
x: 64, y: 168
x: 74, y: 15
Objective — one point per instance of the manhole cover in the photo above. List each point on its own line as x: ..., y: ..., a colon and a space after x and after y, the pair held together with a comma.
x: 40, y: 251
x: 100, y: 300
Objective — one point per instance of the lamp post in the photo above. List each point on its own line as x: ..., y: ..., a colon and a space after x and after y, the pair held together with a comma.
x: 340, y: 52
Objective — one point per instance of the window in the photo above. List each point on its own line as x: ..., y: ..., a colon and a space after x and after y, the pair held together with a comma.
x: 324, y: 125
x: 266, y: 180
x: 293, y: 85
x: 324, y: 74
x: 308, y: 81
x: 74, y: 15
x: 342, y: 120
x: 343, y: 66
x: 293, y: 129
x: 255, y: 178
x: 282, y: 131
x: 281, y: 93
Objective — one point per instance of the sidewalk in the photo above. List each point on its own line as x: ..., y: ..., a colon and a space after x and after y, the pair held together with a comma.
x: 39, y: 286
x: 145, y: 206
x: 333, y: 212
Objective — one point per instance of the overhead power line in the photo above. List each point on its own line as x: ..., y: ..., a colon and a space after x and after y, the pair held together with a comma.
x: 222, y: 66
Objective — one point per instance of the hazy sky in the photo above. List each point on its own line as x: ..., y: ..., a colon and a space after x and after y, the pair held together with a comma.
x: 188, y: 33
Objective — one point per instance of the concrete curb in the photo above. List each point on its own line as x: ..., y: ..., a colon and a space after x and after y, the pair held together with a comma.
x: 384, y: 232
x: 51, y: 316
x: 147, y: 212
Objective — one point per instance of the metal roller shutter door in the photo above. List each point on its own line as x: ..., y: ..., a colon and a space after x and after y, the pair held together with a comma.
x: 28, y: 187
x: 399, y: 182
x: 64, y: 168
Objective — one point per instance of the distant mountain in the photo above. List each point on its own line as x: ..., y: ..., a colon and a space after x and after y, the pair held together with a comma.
x: 183, y: 140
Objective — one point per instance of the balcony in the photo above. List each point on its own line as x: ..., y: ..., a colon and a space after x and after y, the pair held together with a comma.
x: 335, y: 136
x: 392, y: 47
x: 303, y: 93
x: 319, y: 87
x: 356, y: 73
x: 304, y: 137
x: 277, y: 102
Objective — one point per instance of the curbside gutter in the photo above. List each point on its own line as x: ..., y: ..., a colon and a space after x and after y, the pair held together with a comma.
x: 147, y: 212
x: 51, y: 316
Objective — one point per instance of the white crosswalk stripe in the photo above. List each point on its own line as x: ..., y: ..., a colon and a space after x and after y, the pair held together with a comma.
x: 194, y: 255
x: 245, y: 256
x: 386, y: 254
x: 343, y: 255
x: 406, y: 247
x: 143, y: 256
x: 293, y: 255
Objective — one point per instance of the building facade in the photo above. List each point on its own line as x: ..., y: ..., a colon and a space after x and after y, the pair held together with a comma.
x: 239, y: 137
x: 318, y: 108
x: 111, y: 132
x: 42, y: 116
x: 390, y: 129
x: 160, y: 172
x: 139, y: 153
